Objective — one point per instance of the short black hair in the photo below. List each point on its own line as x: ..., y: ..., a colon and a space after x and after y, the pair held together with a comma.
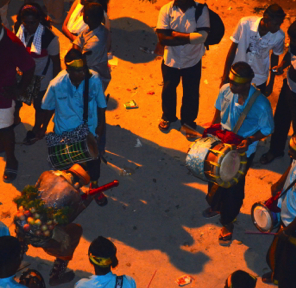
x: 73, y: 54
x: 103, y: 247
x: 275, y: 12
x: 94, y: 11
x: 10, y: 256
x: 242, y: 279
x: 243, y: 69
x: 292, y: 31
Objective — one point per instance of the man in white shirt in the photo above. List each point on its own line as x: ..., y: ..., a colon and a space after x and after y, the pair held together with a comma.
x: 102, y: 255
x: 183, y: 50
x: 252, y: 40
x: 285, y: 112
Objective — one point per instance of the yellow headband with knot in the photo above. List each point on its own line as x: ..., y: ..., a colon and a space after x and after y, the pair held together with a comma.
x: 77, y: 63
x: 233, y: 76
x: 102, y: 262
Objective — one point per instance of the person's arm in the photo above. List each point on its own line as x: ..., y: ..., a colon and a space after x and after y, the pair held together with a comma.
x: 229, y: 60
x: 65, y: 29
x: 286, y: 62
x: 217, y: 117
x: 26, y: 80
x: 101, y: 122
x: 274, y: 60
x: 279, y: 185
x: 243, y: 146
x: 174, y: 38
x: 56, y: 64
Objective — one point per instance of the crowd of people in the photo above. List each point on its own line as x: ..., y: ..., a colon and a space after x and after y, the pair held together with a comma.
x: 76, y: 97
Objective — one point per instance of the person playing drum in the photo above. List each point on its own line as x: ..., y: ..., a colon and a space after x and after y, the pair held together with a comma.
x: 281, y: 256
x: 231, y: 101
x: 64, y: 97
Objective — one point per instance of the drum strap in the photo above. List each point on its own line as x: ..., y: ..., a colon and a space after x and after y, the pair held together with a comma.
x: 246, y: 111
x: 85, y: 97
x: 288, y: 188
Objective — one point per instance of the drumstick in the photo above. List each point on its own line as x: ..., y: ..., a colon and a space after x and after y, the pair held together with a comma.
x: 151, y: 278
x: 187, y: 129
x: 258, y: 232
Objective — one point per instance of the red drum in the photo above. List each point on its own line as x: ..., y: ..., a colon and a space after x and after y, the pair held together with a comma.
x: 266, y: 216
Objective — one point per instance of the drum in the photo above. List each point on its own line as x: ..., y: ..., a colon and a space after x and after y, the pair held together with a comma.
x: 63, y: 156
x: 266, y: 216
x: 212, y: 160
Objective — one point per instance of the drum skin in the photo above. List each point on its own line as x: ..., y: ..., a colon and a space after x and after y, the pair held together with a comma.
x: 211, y: 160
x: 264, y: 219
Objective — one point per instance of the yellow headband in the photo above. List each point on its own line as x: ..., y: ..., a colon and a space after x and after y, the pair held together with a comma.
x: 237, y: 78
x: 292, y: 143
x: 102, y: 262
x: 78, y: 63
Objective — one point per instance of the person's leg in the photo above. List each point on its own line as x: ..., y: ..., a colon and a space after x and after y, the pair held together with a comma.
x: 171, y: 80
x: 292, y: 106
x: 17, y: 118
x: 63, y: 253
x: 190, y: 101
x: 282, y: 122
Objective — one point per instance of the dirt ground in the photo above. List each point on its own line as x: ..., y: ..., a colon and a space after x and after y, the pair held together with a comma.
x: 155, y: 215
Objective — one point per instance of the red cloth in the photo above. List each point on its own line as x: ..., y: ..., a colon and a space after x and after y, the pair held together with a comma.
x: 12, y: 54
x: 225, y: 136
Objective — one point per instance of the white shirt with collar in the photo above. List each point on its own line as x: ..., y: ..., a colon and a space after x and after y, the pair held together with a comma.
x: 172, y: 17
x: 254, y: 49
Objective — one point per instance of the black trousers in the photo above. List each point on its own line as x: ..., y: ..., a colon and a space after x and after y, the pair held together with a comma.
x: 228, y: 201
x: 190, y: 102
x: 262, y: 87
x: 285, y: 113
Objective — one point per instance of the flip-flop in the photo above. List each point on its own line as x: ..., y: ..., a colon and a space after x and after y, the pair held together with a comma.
x: 266, y: 160
x: 267, y: 278
x: 164, y: 125
x: 225, y: 240
x: 30, y: 138
x: 10, y: 174
x: 209, y: 213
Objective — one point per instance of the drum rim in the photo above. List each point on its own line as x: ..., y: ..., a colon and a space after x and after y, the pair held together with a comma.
x: 261, y: 203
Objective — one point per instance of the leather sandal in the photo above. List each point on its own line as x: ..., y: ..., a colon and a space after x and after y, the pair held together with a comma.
x: 225, y: 236
x: 209, y: 213
x: 267, y: 278
x: 164, y: 125
x: 10, y: 174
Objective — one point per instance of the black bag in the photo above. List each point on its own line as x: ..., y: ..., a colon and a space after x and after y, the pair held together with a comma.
x: 217, y: 30
x: 119, y: 282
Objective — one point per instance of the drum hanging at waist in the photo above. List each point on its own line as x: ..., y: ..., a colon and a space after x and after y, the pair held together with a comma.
x: 266, y: 216
x: 212, y: 160
x: 64, y: 156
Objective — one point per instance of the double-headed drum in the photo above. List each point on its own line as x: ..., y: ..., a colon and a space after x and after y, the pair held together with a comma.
x: 212, y: 160
x: 266, y: 216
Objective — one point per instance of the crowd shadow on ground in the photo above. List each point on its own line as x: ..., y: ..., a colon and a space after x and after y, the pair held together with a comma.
x: 128, y: 35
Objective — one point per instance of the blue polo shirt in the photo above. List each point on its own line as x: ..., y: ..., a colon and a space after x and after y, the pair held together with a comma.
x: 3, y: 230
x: 67, y: 101
x: 259, y: 118
x: 105, y: 281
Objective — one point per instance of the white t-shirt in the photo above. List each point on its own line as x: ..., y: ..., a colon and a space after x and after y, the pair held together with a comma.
x: 254, y: 49
x: 172, y: 17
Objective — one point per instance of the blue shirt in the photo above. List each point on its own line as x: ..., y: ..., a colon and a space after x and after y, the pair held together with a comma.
x: 105, y: 281
x: 287, y: 203
x: 67, y: 101
x: 3, y: 230
x: 259, y: 118
x: 10, y: 283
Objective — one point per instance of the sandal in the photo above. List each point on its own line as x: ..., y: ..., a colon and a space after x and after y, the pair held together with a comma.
x: 30, y: 138
x: 209, y: 213
x: 164, y: 125
x: 269, y: 157
x: 267, y: 278
x: 225, y: 238
x: 10, y: 174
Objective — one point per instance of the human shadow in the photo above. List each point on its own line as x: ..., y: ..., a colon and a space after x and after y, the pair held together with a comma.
x: 126, y: 32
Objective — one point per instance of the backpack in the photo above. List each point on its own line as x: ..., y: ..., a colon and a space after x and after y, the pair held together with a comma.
x: 217, y: 30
